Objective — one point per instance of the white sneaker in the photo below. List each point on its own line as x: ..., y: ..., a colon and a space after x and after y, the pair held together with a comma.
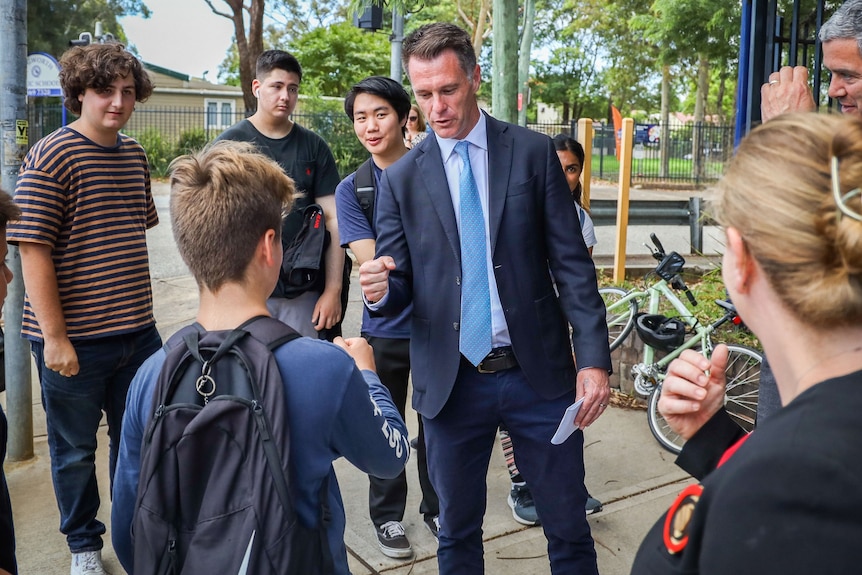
x: 88, y: 563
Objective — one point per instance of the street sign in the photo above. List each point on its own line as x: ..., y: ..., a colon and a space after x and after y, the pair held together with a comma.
x: 43, y: 75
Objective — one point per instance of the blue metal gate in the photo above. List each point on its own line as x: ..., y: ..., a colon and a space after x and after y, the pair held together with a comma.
x: 773, y: 36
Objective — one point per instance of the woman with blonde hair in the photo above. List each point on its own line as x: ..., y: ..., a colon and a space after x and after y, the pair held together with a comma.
x: 415, y: 130
x: 784, y: 499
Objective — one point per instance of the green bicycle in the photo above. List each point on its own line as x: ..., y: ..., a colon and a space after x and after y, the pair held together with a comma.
x: 663, y: 334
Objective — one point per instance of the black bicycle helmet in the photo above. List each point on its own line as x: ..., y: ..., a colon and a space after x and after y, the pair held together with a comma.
x: 660, y: 332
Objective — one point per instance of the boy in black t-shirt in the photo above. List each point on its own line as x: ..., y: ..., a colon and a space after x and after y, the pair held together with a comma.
x: 306, y: 158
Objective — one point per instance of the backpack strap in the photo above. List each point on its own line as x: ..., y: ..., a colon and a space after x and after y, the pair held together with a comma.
x: 365, y: 188
x: 274, y: 334
x: 269, y: 331
x: 179, y: 336
x: 325, y: 520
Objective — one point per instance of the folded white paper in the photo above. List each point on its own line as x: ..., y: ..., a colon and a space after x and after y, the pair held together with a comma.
x: 567, y: 424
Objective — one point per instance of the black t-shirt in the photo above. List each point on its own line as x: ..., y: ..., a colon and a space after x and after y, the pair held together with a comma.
x: 304, y: 156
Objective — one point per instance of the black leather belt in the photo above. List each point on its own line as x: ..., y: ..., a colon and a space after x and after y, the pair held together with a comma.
x: 499, y: 359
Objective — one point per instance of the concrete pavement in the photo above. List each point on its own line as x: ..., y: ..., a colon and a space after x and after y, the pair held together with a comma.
x: 626, y: 469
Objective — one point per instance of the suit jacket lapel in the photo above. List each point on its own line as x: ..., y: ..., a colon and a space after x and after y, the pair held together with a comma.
x: 432, y: 175
x: 500, y: 150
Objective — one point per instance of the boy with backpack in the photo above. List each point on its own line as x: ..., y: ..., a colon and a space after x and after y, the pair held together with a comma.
x: 378, y: 107
x: 215, y: 500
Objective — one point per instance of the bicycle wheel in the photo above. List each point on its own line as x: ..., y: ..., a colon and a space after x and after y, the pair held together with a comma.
x: 740, y: 396
x: 667, y: 437
x: 620, y: 317
x: 743, y: 384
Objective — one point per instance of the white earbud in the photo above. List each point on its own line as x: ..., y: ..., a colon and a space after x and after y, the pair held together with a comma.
x: 257, y: 93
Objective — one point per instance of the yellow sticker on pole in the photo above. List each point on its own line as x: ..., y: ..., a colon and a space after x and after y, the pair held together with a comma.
x: 22, y: 132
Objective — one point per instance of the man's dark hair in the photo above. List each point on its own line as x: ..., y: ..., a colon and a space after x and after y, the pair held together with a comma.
x: 97, y: 66
x: 277, y: 60
x: 429, y: 41
x: 564, y: 143
x: 382, y: 87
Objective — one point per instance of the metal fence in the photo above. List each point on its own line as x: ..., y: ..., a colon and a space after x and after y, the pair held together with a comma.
x: 774, y: 34
x: 695, y: 153
x: 166, y: 133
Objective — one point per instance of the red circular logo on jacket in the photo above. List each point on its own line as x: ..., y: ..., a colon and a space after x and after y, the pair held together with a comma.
x: 678, y: 519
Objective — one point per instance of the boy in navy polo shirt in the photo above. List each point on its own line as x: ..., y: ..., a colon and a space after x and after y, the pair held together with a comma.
x: 378, y: 107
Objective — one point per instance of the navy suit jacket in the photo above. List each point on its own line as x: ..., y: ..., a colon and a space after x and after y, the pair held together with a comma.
x: 534, y: 233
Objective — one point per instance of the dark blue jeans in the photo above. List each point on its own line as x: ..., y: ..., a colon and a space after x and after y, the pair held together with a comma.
x: 73, y: 409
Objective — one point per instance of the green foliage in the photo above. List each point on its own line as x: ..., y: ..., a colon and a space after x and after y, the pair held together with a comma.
x: 295, y: 18
x: 339, y: 56
x: 160, y: 151
x: 608, y: 167
x: 329, y: 121
x: 337, y: 130
x: 52, y: 23
x: 228, y: 70
x: 191, y: 141
x: 595, y: 56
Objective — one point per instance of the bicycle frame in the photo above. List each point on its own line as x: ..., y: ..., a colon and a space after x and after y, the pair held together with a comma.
x: 651, y: 372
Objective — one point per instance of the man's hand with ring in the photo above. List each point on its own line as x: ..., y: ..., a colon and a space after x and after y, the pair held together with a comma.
x: 786, y: 91
x: 594, y: 386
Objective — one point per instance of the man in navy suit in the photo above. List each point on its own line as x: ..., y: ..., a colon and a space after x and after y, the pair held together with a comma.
x: 536, y: 279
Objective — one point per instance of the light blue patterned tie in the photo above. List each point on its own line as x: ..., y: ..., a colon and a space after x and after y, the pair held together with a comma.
x: 475, y: 341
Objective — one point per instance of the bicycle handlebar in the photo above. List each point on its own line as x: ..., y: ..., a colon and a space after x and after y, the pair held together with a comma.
x: 657, y: 243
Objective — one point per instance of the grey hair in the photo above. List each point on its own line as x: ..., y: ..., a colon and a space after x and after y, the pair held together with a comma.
x: 845, y: 23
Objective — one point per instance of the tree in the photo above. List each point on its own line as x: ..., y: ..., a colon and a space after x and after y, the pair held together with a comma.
x: 52, y: 23
x: 569, y: 78
x: 478, y: 17
x: 249, y: 42
x: 587, y: 62
x: 702, y: 32
x: 294, y: 18
x: 630, y: 76
x: 524, y: 59
x: 337, y: 57
x: 504, y: 82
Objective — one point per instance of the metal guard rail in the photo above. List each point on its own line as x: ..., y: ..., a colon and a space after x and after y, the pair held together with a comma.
x: 657, y: 213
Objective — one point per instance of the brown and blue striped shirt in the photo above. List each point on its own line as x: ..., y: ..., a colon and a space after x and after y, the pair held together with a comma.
x: 93, y: 206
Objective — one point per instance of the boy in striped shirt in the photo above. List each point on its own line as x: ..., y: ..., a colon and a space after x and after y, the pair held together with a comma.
x: 84, y: 193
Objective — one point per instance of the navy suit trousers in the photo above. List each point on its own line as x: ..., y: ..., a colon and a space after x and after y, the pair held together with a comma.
x: 460, y: 440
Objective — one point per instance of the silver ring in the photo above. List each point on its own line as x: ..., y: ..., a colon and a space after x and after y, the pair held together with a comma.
x: 771, y: 82
x: 603, y: 405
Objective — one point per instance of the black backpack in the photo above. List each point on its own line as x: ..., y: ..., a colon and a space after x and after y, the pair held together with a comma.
x: 214, y: 493
x: 365, y: 188
x: 302, y: 268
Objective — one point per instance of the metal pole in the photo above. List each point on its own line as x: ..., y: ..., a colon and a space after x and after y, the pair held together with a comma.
x: 14, y: 132
x: 395, y: 71
x: 695, y: 224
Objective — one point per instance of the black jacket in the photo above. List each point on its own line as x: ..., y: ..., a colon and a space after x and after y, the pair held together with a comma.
x: 788, y: 502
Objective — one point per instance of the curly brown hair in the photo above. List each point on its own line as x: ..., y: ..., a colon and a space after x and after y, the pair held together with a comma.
x: 97, y: 66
